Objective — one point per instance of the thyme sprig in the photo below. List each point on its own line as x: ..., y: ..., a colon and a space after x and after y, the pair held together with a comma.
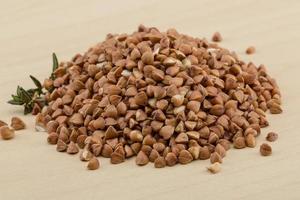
x: 28, y: 98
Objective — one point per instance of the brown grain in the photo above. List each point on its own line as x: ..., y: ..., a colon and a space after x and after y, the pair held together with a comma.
x: 217, y: 37
x: 6, y: 133
x: 93, y: 164
x: 160, y: 162
x: 17, y: 123
x: 271, y: 137
x: 2, y: 123
x: 250, y: 50
x: 265, y: 149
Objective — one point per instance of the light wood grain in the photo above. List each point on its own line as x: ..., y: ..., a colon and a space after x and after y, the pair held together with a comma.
x: 31, y: 30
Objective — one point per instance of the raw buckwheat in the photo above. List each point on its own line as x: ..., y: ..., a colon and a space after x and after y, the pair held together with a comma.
x: 165, y: 97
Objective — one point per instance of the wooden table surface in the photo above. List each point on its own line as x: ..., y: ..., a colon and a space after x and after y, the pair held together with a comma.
x: 31, y: 30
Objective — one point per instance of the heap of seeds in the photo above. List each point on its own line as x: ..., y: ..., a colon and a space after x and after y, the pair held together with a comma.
x: 165, y: 97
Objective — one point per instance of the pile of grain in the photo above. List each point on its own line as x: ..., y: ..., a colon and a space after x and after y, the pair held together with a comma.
x: 163, y: 96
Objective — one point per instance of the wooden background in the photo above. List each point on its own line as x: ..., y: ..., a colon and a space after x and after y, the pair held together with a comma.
x: 31, y: 30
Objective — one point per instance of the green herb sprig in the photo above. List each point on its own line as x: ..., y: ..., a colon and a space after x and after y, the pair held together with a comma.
x: 54, y: 65
x: 28, y: 98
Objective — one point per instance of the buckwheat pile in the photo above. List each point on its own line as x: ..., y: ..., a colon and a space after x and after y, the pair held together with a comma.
x: 163, y: 97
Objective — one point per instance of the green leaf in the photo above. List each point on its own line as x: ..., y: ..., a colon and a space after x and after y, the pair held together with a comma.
x: 19, y: 91
x: 41, y: 101
x: 16, y: 98
x: 51, y: 89
x: 31, y: 92
x: 37, y: 83
x: 55, y: 62
x: 55, y: 65
x: 25, y: 96
x: 27, y: 109
x: 13, y: 102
